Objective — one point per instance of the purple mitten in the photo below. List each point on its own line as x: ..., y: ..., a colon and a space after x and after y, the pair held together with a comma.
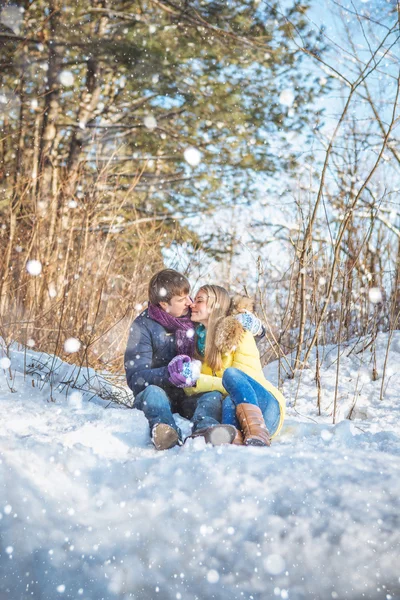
x: 180, y: 372
x: 178, y: 380
x: 176, y: 364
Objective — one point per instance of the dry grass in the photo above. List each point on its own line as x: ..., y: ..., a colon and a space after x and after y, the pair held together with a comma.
x: 94, y: 273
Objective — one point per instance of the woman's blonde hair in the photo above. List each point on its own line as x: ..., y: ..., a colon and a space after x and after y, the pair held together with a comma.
x: 218, y: 301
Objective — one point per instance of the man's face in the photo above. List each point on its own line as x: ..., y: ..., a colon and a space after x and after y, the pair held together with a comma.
x: 178, y: 306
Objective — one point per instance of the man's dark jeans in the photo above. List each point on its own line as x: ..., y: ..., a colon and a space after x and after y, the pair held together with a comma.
x: 204, y: 410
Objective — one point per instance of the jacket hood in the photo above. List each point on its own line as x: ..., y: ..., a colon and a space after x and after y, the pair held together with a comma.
x: 228, y: 334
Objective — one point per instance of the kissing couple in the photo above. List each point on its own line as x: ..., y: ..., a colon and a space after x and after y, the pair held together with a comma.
x: 199, y: 358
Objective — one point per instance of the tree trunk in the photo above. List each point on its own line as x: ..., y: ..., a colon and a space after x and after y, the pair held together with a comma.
x: 51, y: 110
x: 15, y: 205
x: 88, y: 103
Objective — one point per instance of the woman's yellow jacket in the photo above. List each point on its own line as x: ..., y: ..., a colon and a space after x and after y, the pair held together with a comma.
x: 244, y: 356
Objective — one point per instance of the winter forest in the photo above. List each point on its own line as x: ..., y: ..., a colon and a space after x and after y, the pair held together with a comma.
x: 250, y: 144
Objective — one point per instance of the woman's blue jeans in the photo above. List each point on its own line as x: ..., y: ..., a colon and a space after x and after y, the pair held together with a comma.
x: 242, y: 388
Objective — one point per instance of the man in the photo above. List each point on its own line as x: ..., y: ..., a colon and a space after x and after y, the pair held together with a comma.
x: 156, y: 337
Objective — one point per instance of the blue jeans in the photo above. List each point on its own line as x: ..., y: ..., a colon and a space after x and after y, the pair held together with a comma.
x: 208, y: 410
x: 242, y: 388
x: 205, y: 411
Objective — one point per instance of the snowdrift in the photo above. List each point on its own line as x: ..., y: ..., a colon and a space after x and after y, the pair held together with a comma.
x: 90, y: 510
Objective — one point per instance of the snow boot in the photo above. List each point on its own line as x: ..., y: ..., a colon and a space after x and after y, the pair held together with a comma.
x: 164, y: 436
x: 253, y: 425
x: 217, y: 435
x: 238, y: 441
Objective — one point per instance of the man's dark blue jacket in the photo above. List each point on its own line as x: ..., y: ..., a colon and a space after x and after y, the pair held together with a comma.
x: 150, y: 348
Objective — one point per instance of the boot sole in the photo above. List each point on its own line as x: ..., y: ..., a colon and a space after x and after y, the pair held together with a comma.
x: 164, y: 437
x: 218, y: 435
x: 254, y: 442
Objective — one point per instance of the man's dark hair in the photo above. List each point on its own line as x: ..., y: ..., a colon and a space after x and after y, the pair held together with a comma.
x: 165, y: 284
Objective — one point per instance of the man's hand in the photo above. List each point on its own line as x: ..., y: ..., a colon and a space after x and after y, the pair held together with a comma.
x: 180, y: 371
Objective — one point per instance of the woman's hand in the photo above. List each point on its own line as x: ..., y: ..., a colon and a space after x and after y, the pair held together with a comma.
x: 250, y: 322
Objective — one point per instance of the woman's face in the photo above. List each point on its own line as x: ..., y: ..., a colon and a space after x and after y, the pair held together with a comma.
x: 199, y: 309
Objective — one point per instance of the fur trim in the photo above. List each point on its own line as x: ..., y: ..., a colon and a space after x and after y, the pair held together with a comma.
x: 228, y: 334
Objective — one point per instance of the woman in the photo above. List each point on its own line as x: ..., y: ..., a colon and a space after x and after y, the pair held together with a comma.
x: 231, y: 364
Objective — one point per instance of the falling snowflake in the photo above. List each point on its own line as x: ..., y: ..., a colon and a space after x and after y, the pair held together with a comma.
x: 375, y: 295
x: 34, y: 267
x: 150, y: 122
x: 286, y: 97
x: 274, y: 564
x: 192, y: 156
x: 212, y: 576
x: 72, y: 345
x: 5, y: 363
x: 66, y: 78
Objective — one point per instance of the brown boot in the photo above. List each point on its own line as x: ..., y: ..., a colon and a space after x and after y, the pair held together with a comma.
x: 253, y: 425
x: 238, y: 441
x: 164, y: 436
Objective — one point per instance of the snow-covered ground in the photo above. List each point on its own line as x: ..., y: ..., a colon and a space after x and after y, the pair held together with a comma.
x: 90, y: 510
